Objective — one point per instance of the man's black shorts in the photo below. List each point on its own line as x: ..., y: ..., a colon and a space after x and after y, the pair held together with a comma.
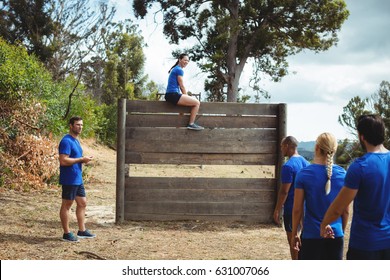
x: 70, y: 192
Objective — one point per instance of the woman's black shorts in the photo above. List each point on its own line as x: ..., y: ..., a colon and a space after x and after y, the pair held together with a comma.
x: 172, y: 97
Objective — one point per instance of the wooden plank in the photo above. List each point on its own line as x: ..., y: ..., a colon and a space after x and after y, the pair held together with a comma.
x: 230, y: 108
x: 179, y: 135
x: 196, y: 158
x: 198, y: 208
x: 199, y: 195
x: 120, y: 174
x: 228, y: 147
x: 181, y: 121
x: 282, y: 133
x: 257, y: 218
x: 167, y: 183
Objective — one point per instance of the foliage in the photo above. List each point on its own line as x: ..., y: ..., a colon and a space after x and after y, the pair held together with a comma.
x: 61, y: 33
x: 31, y: 118
x: 28, y: 159
x: 79, y: 33
x: 28, y: 22
x: 107, y: 130
x: 124, y: 67
x: 377, y: 103
x: 347, y: 151
x: 21, y: 76
x: 230, y: 33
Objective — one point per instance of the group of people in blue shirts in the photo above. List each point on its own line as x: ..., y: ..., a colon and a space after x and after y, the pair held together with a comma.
x: 315, y: 198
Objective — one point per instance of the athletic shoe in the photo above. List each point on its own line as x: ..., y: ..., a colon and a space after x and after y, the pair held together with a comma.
x: 69, y: 237
x: 194, y: 126
x: 85, y: 234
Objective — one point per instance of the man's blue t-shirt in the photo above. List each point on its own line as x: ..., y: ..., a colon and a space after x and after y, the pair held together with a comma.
x: 370, y: 175
x: 288, y: 173
x: 173, y: 84
x: 312, y: 180
x: 71, y: 175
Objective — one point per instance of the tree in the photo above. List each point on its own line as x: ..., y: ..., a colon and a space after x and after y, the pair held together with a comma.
x: 78, y: 34
x: 124, y: 76
x: 355, y: 108
x: 28, y: 22
x: 230, y: 33
x: 377, y: 103
x: 61, y: 33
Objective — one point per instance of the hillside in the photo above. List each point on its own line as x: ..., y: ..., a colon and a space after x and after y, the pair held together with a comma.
x: 306, y: 149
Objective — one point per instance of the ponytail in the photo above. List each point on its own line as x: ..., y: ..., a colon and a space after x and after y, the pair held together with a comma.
x: 181, y: 56
x: 177, y: 63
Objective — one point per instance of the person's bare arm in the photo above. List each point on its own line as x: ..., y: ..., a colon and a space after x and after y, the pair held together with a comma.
x: 344, y: 217
x: 65, y: 160
x: 181, y: 84
x: 336, y: 209
x: 282, y: 196
x: 297, y: 214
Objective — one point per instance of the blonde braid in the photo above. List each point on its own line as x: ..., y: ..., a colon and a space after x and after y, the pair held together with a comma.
x: 328, y: 147
x: 329, y: 165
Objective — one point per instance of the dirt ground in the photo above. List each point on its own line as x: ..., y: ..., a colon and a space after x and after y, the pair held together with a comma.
x: 30, y: 228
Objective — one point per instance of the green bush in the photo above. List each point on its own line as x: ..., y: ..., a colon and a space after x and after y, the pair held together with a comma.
x: 21, y: 76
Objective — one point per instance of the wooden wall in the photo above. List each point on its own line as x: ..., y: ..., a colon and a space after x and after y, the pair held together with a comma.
x: 154, y: 132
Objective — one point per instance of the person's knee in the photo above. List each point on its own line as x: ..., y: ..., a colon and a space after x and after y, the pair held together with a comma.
x: 196, y: 103
x: 66, y: 204
x: 81, y: 203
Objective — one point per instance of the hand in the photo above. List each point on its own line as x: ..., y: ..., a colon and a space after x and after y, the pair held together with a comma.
x: 87, y: 159
x: 326, y: 231
x: 296, y: 243
x: 277, y: 217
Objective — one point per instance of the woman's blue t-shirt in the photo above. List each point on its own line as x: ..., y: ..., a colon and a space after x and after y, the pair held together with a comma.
x: 173, y: 84
x: 71, y: 175
x: 370, y: 228
x: 312, y: 180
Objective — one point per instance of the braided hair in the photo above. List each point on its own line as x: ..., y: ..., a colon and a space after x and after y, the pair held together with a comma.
x: 328, y: 146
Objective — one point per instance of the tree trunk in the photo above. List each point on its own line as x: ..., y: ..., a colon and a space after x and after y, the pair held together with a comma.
x: 234, y: 70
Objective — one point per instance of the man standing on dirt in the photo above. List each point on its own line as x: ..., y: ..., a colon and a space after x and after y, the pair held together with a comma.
x: 285, y: 200
x: 71, y: 160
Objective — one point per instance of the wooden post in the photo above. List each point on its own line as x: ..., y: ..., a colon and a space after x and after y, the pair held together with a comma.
x: 282, y: 118
x: 120, y: 162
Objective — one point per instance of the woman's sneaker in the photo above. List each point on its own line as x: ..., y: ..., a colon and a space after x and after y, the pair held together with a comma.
x: 194, y: 126
x: 85, y: 234
x: 69, y: 237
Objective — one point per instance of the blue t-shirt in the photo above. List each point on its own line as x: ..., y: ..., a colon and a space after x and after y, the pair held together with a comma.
x: 173, y: 84
x: 312, y: 180
x: 289, y: 171
x: 71, y: 175
x: 370, y: 175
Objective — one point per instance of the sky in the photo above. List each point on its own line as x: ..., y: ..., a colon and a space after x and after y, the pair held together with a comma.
x: 318, y: 86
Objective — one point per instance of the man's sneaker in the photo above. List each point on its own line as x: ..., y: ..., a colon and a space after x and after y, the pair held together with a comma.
x: 85, y: 234
x: 69, y: 237
x: 194, y: 126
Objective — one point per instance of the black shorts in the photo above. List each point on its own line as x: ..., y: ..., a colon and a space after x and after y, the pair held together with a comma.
x: 322, y: 249
x: 355, y: 254
x: 70, y: 192
x: 287, y: 221
x: 172, y: 97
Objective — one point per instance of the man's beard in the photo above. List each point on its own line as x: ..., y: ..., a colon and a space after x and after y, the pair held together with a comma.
x: 76, y: 132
